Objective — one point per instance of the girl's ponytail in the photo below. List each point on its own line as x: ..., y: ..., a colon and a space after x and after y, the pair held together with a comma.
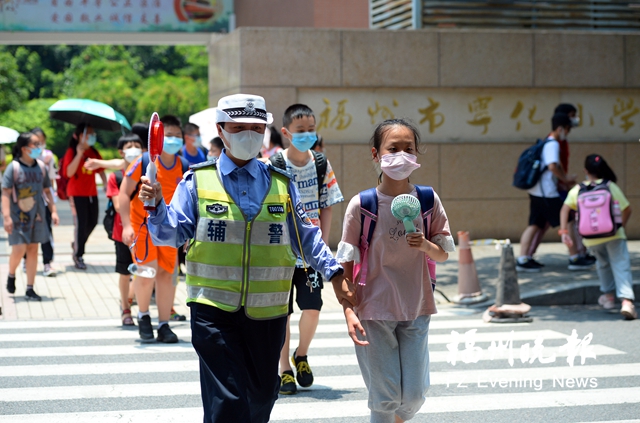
x: 598, y: 167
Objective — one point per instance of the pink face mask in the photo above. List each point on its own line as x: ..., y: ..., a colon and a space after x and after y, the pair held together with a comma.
x: 398, y: 166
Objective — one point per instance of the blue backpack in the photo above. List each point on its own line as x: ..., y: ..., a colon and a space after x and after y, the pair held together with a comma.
x: 369, y: 217
x: 528, y: 171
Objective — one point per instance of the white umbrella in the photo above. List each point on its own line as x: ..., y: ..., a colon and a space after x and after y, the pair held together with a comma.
x: 206, y: 120
x: 8, y: 135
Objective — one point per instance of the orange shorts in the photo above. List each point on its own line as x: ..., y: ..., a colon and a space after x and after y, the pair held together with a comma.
x: 167, y: 256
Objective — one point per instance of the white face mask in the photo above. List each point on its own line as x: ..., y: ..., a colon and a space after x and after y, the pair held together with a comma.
x: 244, y: 145
x: 575, y: 121
x: 398, y: 166
x: 130, y: 154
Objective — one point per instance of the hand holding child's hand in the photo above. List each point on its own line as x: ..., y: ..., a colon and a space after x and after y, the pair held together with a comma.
x: 354, y: 326
x: 344, y: 289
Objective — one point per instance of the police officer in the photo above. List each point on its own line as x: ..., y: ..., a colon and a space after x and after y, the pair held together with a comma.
x: 246, y: 227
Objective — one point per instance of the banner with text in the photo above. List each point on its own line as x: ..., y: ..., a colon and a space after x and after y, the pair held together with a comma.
x: 116, y: 15
x: 474, y: 115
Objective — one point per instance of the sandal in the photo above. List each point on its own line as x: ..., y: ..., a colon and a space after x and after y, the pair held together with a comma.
x: 127, y: 320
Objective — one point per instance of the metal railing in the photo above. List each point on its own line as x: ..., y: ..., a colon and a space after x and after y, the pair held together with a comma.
x: 550, y: 14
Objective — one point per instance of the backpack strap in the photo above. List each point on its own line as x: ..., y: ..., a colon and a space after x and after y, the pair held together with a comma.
x: 119, y: 175
x: 427, y: 198
x: 368, y: 219
x: 277, y: 160
x: 321, y: 169
x: 185, y: 164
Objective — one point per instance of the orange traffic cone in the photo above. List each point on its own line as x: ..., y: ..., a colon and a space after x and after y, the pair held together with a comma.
x: 469, y: 291
x: 508, y: 307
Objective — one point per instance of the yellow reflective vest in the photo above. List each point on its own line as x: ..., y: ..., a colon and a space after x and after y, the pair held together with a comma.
x: 232, y: 262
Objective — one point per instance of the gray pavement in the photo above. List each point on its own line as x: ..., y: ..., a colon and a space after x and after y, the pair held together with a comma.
x: 93, y: 293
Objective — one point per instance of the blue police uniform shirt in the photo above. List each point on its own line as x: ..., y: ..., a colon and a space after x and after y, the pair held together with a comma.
x: 175, y: 224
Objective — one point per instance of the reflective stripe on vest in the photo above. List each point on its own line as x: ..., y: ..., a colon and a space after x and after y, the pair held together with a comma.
x: 233, y: 263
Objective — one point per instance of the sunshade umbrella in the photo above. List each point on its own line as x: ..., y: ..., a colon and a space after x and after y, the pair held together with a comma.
x: 8, y: 135
x: 206, y: 121
x: 94, y: 113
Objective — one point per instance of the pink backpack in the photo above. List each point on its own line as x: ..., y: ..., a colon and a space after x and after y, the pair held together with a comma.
x: 598, y: 214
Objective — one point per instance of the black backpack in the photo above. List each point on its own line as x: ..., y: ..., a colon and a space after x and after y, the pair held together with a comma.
x: 277, y: 160
x: 528, y: 171
x: 110, y: 212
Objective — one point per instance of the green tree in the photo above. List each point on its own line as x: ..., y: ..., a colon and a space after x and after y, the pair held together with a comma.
x: 167, y: 94
x: 35, y: 113
x: 196, y: 62
x: 14, y: 86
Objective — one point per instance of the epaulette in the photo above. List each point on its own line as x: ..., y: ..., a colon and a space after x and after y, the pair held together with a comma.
x: 280, y: 171
x: 208, y: 163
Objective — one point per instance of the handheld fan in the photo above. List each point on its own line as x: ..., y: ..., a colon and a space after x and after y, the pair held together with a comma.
x: 406, y: 207
x: 156, y: 142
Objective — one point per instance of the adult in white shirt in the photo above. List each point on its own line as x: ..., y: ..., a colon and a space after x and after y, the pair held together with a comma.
x: 544, y: 200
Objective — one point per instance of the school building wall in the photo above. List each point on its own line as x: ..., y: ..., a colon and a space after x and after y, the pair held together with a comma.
x: 471, y: 173
x: 302, y: 13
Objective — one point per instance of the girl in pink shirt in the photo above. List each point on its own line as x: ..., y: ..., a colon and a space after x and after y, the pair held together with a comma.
x: 389, y: 322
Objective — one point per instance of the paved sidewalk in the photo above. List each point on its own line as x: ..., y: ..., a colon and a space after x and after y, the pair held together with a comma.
x: 94, y: 293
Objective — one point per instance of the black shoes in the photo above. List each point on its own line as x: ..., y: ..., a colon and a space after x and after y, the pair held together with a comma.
x: 528, y: 265
x: 79, y: 263
x: 11, y: 284
x: 288, y: 383
x: 166, y: 335
x: 581, y: 263
x: 31, y: 295
x: 145, y: 329
x: 304, y: 375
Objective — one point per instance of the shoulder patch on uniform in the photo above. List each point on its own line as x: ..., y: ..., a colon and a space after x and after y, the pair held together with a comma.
x: 217, y: 208
x: 208, y: 163
x: 280, y: 171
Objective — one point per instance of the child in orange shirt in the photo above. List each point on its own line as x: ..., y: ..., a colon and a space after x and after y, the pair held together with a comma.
x: 163, y: 259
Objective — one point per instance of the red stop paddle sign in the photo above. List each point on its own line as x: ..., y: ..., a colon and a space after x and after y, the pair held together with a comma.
x: 156, y: 142
x: 156, y: 137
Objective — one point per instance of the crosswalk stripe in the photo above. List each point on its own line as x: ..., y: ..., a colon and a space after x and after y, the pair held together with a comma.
x: 437, y: 323
x: 184, y: 347
x: 358, y: 408
x: 343, y: 341
x: 437, y: 378
x: 492, y: 379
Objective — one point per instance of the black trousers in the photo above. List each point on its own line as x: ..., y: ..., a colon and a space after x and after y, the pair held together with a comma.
x: 87, y: 211
x: 239, y: 360
x: 46, y: 247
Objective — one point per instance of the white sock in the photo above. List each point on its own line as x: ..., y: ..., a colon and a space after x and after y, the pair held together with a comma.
x: 574, y: 257
x: 143, y: 313
x: 523, y: 259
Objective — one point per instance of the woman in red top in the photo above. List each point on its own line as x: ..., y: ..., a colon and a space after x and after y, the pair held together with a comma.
x: 81, y: 188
